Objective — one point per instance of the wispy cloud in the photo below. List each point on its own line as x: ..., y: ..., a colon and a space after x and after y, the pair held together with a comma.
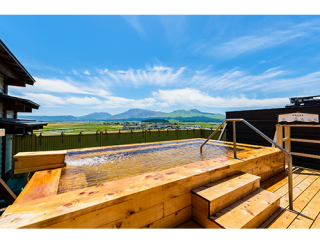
x: 61, y: 86
x: 156, y: 75
x: 234, y: 80
x: 86, y: 72
x: 251, y: 43
x: 135, y: 23
x: 174, y: 27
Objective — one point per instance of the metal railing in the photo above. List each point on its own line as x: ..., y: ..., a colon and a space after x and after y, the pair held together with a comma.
x: 265, y: 137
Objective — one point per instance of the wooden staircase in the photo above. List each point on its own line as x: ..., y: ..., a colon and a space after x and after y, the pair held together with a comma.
x: 234, y: 202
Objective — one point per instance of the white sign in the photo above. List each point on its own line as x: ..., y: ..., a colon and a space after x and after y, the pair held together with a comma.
x: 298, y: 117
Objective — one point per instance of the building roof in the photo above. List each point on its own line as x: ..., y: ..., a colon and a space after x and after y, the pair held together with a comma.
x: 11, y: 68
x: 21, y: 100
x: 21, y: 122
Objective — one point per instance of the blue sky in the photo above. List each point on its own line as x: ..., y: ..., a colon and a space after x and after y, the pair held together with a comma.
x: 100, y: 63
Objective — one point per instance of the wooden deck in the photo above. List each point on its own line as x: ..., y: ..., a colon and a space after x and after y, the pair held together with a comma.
x: 306, y: 205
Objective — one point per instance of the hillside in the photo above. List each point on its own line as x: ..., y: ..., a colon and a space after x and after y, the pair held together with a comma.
x: 192, y: 115
x: 137, y: 113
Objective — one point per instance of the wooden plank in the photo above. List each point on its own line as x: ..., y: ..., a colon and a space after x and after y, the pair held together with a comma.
x: 2, y: 132
x: 249, y: 212
x: 305, y: 219
x: 305, y: 126
x: 172, y: 220
x: 306, y: 155
x: 110, y: 214
x: 203, y: 220
x: 2, y: 210
x: 279, y: 135
x: 224, y: 192
x: 177, y: 203
x: 316, y: 223
x: 295, y: 181
x: 40, y: 167
x: 6, y: 193
x: 138, y: 220
x: 190, y: 224
x: 200, y: 204
x: 305, y: 140
x: 301, y: 195
x: 283, y: 182
x: 42, y: 184
x: 287, y: 134
x: 26, y: 161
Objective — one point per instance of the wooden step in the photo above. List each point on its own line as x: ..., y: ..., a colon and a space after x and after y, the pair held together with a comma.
x: 211, y: 198
x: 249, y: 212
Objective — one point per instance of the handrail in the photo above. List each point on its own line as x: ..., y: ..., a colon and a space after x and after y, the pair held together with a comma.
x: 265, y: 137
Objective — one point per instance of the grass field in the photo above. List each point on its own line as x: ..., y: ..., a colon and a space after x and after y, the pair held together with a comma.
x: 77, y: 127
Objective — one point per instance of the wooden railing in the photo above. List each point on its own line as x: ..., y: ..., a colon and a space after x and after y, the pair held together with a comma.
x: 286, y: 138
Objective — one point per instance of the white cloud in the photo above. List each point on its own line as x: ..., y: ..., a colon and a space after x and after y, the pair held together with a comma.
x: 83, y: 100
x: 61, y: 86
x: 86, y: 72
x: 43, y: 99
x: 192, y: 97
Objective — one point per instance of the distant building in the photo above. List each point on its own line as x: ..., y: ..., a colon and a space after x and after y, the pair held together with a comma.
x: 12, y: 73
x: 131, y: 127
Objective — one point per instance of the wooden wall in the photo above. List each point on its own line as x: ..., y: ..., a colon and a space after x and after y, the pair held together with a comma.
x: 265, y: 120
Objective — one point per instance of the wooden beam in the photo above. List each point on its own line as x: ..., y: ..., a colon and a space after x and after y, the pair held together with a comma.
x: 5, y: 192
x: 303, y: 125
x: 42, y: 184
x: 279, y: 135
x: 2, y: 132
x: 34, y: 161
x: 304, y: 140
x: 15, y: 82
x: 18, y: 108
x: 306, y: 155
x: 7, y: 71
x: 287, y: 134
x: 28, y: 109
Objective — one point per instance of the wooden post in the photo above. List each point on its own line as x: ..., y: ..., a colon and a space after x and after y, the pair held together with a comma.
x: 145, y: 135
x: 101, y: 138
x: 33, y: 142
x: 14, y: 148
x: 6, y: 193
x: 287, y: 143
x: 3, y: 158
x: 279, y: 135
x: 287, y: 135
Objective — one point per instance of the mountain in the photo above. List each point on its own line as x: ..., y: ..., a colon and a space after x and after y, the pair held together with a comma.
x: 137, y: 113
x: 192, y: 115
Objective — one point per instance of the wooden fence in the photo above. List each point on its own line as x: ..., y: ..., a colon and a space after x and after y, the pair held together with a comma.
x: 50, y: 142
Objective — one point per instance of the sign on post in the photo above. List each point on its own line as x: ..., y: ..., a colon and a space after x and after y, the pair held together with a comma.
x: 298, y: 117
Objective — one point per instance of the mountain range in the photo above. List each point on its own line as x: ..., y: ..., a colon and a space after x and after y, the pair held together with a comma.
x: 192, y: 115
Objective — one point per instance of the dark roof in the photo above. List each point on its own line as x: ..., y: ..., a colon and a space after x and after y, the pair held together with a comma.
x: 24, y: 101
x: 21, y: 122
x: 16, y: 69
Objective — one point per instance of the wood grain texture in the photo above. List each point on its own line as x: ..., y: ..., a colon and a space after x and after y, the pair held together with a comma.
x: 42, y: 184
x: 203, y: 220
